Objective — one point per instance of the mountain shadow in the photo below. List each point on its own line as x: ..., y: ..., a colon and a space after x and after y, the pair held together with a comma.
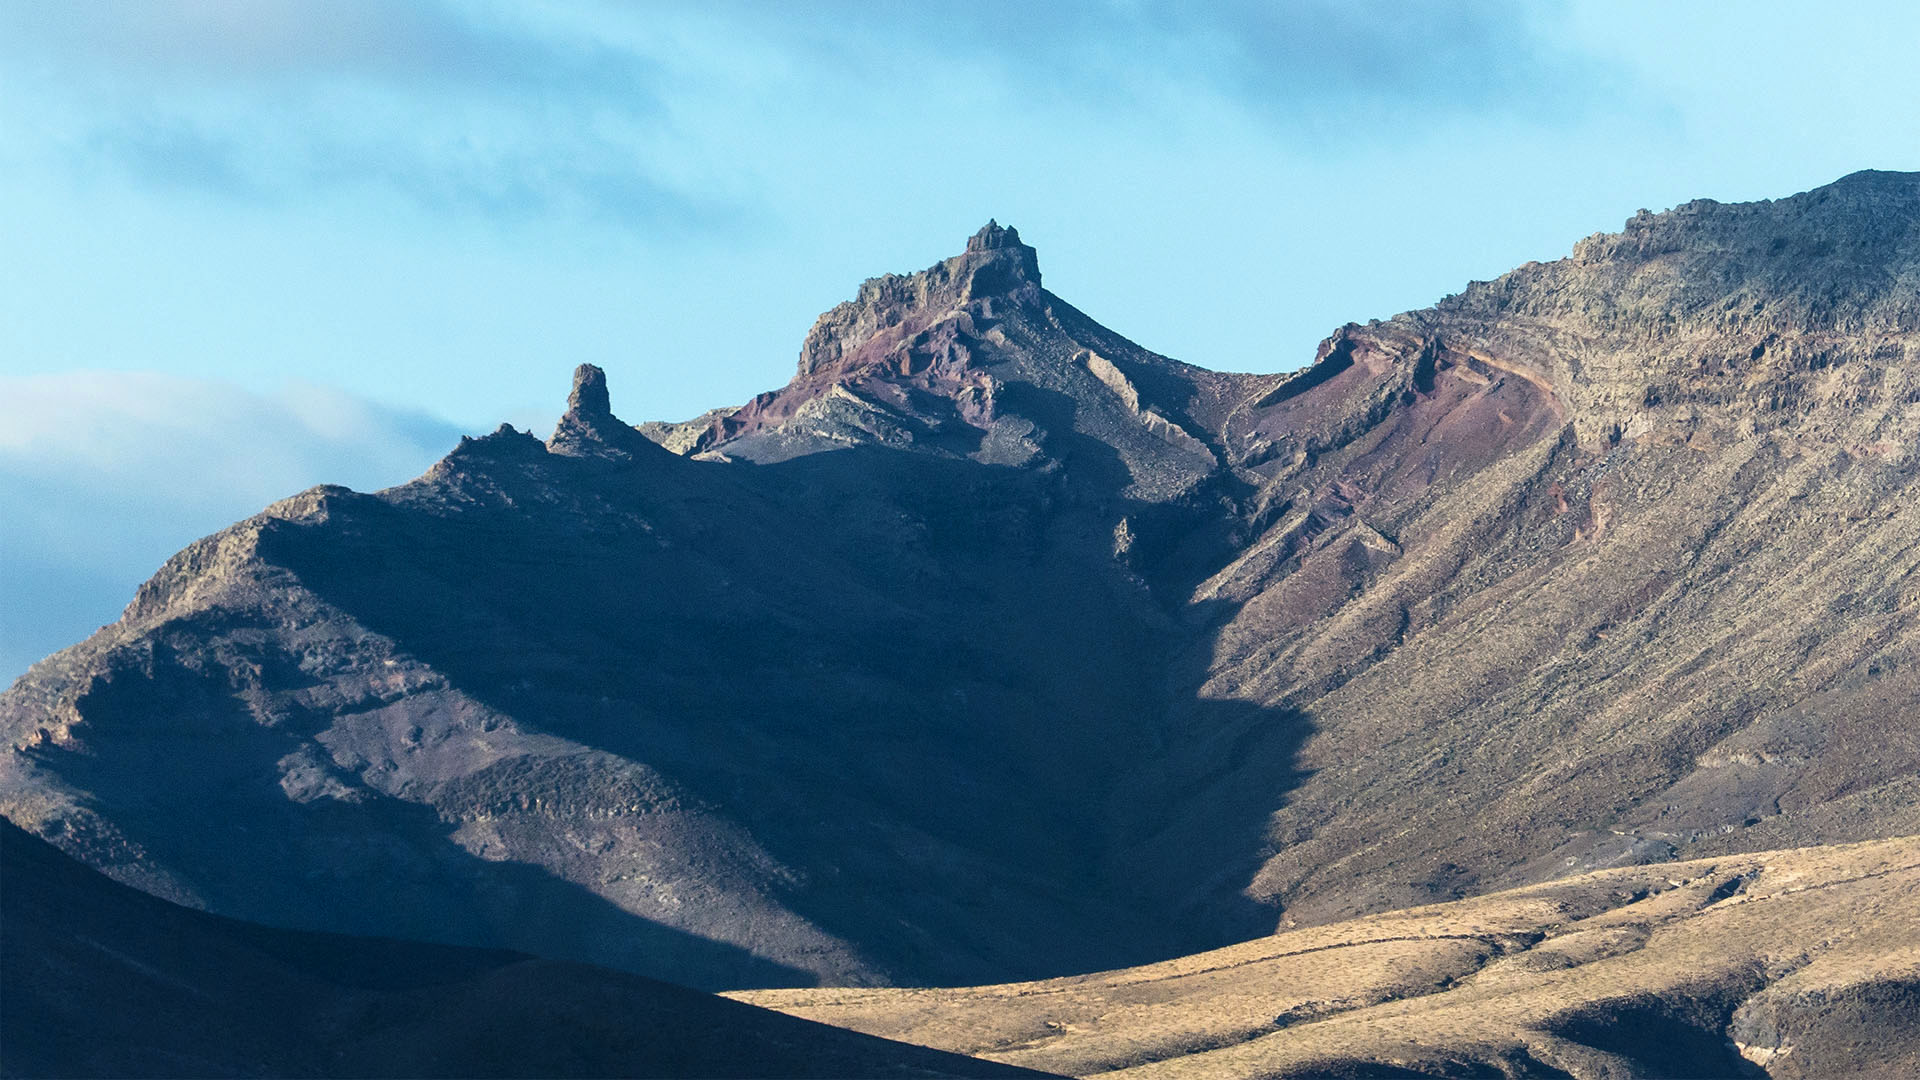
x: 244, y: 821
x: 923, y: 686
x: 103, y: 980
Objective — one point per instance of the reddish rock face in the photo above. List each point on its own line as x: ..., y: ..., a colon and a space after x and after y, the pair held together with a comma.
x: 908, y: 339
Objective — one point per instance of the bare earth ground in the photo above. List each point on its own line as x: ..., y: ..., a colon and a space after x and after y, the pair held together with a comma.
x: 1794, y: 963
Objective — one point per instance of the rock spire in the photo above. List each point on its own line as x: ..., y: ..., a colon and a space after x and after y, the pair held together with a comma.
x: 589, y: 395
x: 589, y: 428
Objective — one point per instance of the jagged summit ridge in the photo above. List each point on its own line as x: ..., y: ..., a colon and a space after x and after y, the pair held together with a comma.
x: 994, y: 235
x: 972, y: 358
x: 1016, y: 262
x: 1842, y: 256
x: 995, y: 267
x: 1713, y: 320
x: 1885, y: 180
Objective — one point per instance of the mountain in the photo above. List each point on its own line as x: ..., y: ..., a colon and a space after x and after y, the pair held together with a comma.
x: 102, y: 980
x: 852, y: 716
x: 972, y: 358
x: 996, y: 647
x: 1679, y: 623
x: 1802, y: 962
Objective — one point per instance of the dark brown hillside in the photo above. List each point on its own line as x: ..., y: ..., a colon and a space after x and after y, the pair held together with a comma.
x: 860, y: 712
x: 101, y: 980
x: 618, y: 730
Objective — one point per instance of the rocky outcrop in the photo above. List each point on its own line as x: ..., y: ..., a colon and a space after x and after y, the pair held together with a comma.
x: 995, y: 266
x: 589, y: 429
x: 1117, y: 381
x: 972, y: 359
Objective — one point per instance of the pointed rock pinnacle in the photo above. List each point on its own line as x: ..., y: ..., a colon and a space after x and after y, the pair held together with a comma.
x: 589, y: 395
x: 589, y: 428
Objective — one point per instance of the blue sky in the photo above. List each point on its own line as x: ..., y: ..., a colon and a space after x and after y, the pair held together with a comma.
x: 252, y: 246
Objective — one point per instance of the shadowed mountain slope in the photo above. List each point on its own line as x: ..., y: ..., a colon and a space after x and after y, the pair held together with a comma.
x: 995, y: 646
x: 102, y: 980
x: 854, y: 714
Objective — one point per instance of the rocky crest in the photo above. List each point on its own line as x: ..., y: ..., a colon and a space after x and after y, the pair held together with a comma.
x: 995, y: 266
x: 995, y: 646
x: 972, y: 359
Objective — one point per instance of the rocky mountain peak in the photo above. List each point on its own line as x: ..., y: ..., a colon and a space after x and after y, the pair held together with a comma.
x: 971, y: 358
x: 1021, y: 650
x: 993, y: 236
x: 589, y: 394
x: 1014, y: 263
x: 995, y: 271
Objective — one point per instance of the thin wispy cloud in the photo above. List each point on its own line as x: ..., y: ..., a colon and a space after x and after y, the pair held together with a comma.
x: 1437, y: 57
x: 268, y: 43
x: 1296, y: 64
x: 462, y: 110
x: 622, y: 114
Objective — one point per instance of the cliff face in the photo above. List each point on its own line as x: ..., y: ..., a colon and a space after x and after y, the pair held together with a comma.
x: 996, y: 646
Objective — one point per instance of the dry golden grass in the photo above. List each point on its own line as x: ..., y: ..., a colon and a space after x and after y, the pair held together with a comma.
x: 1649, y: 970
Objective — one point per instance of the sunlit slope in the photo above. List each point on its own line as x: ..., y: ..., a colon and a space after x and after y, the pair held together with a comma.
x: 1805, y: 961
